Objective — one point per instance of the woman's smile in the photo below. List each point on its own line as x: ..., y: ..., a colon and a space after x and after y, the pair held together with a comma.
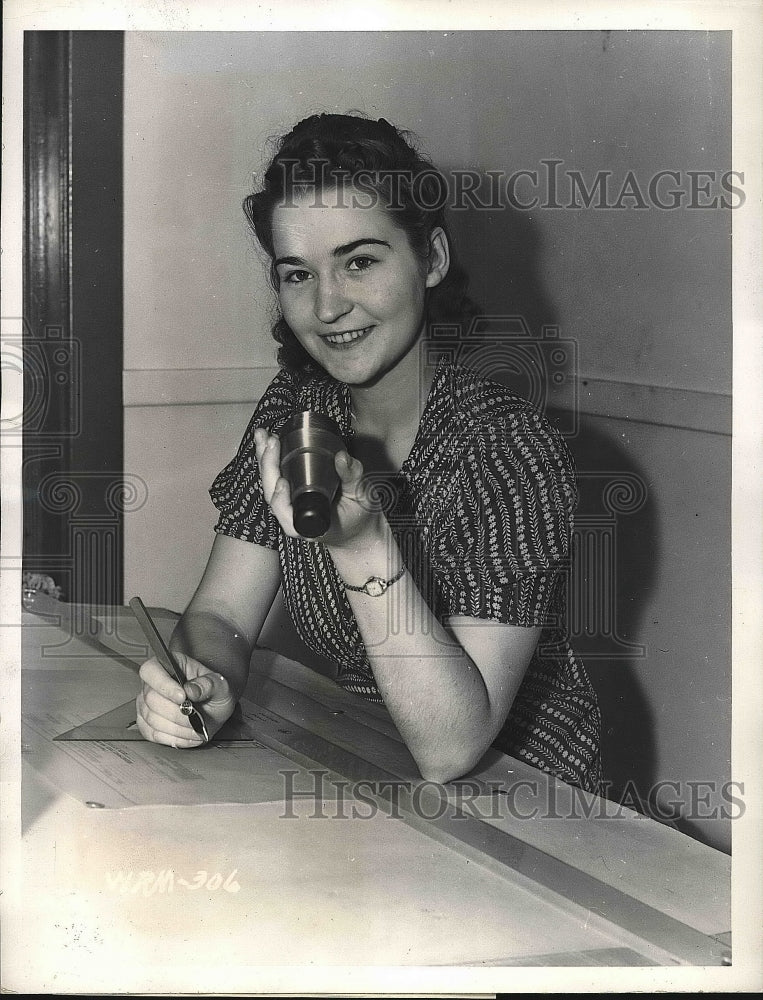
x: 348, y: 338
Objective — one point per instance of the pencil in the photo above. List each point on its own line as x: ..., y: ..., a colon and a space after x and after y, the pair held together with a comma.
x: 168, y: 661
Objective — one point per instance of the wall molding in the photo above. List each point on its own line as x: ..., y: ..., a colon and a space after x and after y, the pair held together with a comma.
x: 709, y: 412
x: 195, y: 386
x: 655, y: 404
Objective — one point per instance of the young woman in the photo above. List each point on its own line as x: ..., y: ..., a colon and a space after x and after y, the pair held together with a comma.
x: 455, y: 493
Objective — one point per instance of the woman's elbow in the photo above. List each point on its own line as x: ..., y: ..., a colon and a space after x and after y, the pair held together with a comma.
x: 449, y: 767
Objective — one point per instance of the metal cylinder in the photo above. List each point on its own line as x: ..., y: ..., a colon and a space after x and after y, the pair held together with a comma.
x: 309, y: 442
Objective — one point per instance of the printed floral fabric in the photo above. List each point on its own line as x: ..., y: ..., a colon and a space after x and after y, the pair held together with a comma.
x: 482, y: 510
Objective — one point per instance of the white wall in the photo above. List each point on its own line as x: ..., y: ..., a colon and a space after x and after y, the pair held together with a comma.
x: 645, y: 294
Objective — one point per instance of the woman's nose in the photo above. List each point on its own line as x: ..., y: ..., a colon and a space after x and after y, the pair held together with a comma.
x: 330, y: 300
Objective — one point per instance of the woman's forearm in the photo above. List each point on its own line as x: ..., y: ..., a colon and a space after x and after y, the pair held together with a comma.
x: 217, y: 643
x: 434, y: 692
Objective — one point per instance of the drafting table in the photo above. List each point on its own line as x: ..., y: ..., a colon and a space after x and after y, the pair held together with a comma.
x: 191, y: 870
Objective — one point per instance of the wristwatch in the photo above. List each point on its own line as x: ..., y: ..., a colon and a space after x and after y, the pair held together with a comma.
x: 375, y: 586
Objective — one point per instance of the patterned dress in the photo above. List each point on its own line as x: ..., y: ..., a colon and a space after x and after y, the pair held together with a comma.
x: 482, y: 511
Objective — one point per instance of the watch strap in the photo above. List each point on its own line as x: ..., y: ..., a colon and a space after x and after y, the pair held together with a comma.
x: 375, y: 586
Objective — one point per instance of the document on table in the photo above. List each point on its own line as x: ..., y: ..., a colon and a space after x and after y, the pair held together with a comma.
x: 102, y: 761
x: 118, y: 725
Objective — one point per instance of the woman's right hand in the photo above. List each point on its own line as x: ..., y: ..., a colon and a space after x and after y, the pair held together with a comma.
x: 158, y: 704
x: 355, y: 523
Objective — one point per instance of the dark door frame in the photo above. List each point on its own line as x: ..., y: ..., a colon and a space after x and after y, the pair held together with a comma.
x: 74, y: 490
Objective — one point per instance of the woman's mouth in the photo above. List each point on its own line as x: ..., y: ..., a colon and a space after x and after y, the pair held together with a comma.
x: 347, y: 338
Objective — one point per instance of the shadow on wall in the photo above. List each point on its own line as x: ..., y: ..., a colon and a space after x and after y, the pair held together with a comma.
x: 616, y: 554
x: 502, y: 253
x: 616, y: 543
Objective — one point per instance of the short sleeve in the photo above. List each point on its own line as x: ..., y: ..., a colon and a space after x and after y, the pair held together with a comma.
x: 237, y: 490
x: 505, y: 542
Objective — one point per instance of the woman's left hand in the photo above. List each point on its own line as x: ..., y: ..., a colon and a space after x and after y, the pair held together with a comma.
x: 353, y: 518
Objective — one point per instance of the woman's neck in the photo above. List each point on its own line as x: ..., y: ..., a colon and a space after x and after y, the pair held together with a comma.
x: 386, y: 416
x: 395, y: 400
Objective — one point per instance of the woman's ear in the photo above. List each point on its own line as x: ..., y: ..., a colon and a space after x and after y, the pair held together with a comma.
x: 439, y: 257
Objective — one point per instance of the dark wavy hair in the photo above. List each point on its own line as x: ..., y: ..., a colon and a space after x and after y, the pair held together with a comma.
x: 329, y: 151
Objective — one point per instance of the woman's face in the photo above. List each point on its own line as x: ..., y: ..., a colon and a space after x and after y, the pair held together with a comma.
x: 350, y: 286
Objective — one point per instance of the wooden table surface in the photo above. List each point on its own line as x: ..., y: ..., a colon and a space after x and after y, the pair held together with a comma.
x: 199, y: 871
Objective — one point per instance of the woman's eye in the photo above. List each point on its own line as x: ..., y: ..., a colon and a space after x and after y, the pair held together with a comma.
x: 296, y: 277
x: 361, y: 263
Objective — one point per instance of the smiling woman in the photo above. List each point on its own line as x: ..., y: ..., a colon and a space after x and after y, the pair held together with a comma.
x: 351, y: 288
x: 439, y: 586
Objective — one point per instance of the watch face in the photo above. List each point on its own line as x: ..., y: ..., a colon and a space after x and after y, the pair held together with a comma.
x: 375, y: 587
